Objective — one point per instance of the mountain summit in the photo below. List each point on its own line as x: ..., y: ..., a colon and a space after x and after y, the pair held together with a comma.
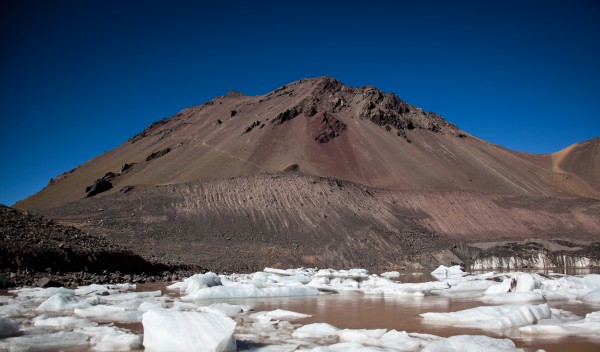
x: 316, y: 127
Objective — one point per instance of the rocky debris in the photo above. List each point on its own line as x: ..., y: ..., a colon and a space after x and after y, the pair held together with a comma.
x: 37, y: 251
x: 158, y: 154
x: 149, y: 130
x: 330, y: 128
x: 46, y: 282
x: 287, y: 115
x: 101, y: 185
x: 126, y: 167
x: 249, y: 128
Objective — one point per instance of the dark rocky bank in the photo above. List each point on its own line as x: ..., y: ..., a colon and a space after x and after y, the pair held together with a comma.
x: 38, y: 252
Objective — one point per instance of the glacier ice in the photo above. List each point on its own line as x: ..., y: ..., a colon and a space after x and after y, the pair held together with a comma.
x: 171, y: 331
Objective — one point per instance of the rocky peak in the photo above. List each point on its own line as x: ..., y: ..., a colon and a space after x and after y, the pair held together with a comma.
x: 330, y: 96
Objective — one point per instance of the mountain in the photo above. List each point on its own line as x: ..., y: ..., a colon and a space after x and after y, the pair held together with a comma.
x: 319, y: 173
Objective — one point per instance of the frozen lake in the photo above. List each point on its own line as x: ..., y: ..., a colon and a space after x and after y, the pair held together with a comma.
x: 362, y: 302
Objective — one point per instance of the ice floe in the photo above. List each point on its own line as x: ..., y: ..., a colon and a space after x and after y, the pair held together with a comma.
x: 168, y: 330
x: 315, y: 331
x: 590, y: 325
x: 464, y: 343
x: 205, y: 311
x: 493, y: 317
x: 445, y: 272
x: 108, y: 338
x: 61, y: 302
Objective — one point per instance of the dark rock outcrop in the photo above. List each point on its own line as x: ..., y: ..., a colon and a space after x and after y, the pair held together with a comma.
x: 101, y: 185
x: 158, y: 154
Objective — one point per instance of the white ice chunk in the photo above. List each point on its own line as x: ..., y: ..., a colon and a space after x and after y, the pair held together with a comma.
x: 11, y: 310
x: 399, y: 340
x: 293, y: 279
x: 345, y: 347
x: 493, y: 317
x: 362, y: 336
x: 47, y: 342
x: 513, y: 297
x: 129, y: 296
x: 41, y: 293
x: 590, y: 325
x: 591, y: 297
x: 62, y: 302
x: 184, y: 306
x: 315, y: 331
x: 62, y: 322
x: 169, y: 330
x: 196, y: 282
x: 110, y: 338
x: 249, y: 290
x: 147, y: 305
x: 391, y: 274
x: 443, y: 272
x: 224, y: 308
x: 110, y: 313
x: 8, y: 327
x: 469, y: 343
x: 279, y: 314
x: 344, y: 274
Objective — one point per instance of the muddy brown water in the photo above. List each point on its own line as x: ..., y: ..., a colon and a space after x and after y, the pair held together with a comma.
x: 357, y: 311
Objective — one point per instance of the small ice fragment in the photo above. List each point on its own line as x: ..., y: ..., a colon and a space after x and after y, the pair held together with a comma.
x: 196, y: 282
x: 169, y: 330
x: 443, y: 272
x: 391, y: 274
x: 590, y: 325
x: 279, y: 314
x: 48, y: 342
x: 591, y: 297
x: 223, y: 308
x: 62, y: 322
x: 462, y: 343
x: 110, y: 338
x: 62, y: 302
x: 316, y: 330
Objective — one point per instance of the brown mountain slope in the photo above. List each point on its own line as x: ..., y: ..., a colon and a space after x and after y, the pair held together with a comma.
x: 290, y: 220
x: 323, y: 128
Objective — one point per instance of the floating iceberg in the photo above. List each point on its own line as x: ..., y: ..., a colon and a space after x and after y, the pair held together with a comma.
x: 315, y: 331
x: 279, y: 314
x: 444, y: 272
x: 249, y: 290
x: 590, y: 325
x: 62, y: 322
x: 110, y: 338
x: 493, y: 317
x: 44, y: 342
x: 62, y: 302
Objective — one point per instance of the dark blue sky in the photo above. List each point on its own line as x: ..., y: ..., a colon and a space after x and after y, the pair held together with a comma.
x: 81, y: 77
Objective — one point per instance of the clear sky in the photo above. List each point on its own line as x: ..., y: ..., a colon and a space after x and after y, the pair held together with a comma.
x: 78, y: 78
